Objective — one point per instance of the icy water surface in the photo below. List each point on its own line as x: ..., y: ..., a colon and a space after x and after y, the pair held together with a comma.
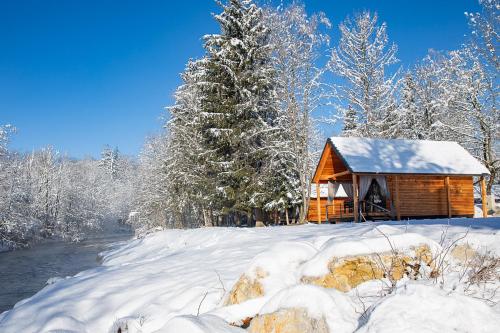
x: 24, y: 272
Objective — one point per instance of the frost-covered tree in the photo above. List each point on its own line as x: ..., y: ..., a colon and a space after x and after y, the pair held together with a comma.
x: 191, y: 186
x: 5, y: 132
x: 297, y: 40
x: 423, y: 99
x: 473, y: 118
x: 110, y: 161
x: 409, y: 110
x: 153, y: 198
x: 45, y: 195
x: 484, y: 32
x: 361, y: 60
x: 482, y: 55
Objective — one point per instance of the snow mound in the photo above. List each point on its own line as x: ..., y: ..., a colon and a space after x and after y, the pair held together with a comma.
x: 318, y: 265
x: 280, y: 264
x: 336, y: 308
x: 267, y: 274
x: 381, y: 230
x: 419, y: 308
x: 198, y: 324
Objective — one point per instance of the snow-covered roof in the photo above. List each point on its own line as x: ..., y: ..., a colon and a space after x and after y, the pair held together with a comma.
x: 367, y: 155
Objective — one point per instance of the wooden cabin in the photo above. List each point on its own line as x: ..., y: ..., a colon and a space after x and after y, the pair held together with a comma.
x: 394, y: 179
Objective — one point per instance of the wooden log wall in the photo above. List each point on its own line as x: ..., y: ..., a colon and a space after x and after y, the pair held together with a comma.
x: 427, y: 195
x: 419, y: 196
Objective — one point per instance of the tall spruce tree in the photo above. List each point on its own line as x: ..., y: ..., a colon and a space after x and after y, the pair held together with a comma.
x: 238, y: 106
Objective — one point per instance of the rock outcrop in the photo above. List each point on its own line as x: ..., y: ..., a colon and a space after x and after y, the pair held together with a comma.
x: 346, y: 273
x: 247, y: 288
x: 463, y: 253
x: 294, y: 320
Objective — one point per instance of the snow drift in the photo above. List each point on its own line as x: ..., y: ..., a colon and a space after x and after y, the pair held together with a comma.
x: 180, y: 280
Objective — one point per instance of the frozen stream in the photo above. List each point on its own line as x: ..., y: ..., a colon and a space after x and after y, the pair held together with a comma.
x: 24, y: 272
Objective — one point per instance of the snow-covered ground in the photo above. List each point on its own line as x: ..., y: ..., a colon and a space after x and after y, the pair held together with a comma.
x: 179, y: 280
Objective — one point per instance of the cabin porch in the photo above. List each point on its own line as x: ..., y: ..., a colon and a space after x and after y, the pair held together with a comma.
x: 372, y: 197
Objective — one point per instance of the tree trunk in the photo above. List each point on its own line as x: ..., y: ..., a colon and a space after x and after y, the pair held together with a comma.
x: 207, y: 219
x: 259, y: 218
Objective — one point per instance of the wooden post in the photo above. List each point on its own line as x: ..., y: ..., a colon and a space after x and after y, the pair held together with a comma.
x: 483, y: 196
x: 398, y: 209
x: 448, y: 198
x: 333, y: 206
x: 331, y: 199
x: 318, y: 201
x: 355, y: 196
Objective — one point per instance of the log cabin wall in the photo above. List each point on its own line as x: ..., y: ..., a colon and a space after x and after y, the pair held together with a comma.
x: 427, y: 196
x: 419, y: 196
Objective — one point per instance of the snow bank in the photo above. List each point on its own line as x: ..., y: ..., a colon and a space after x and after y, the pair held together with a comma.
x: 198, y: 324
x: 280, y: 264
x: 177, y: 279
x: 318, y: 265
x: 419, y: 308
x: 334, y: 306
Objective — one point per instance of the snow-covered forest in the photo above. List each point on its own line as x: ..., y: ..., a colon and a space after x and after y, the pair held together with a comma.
x: 242, y: 139
x: 45, y: 195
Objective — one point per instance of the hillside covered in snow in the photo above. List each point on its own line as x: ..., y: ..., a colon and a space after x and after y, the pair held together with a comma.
x: 413, y: 276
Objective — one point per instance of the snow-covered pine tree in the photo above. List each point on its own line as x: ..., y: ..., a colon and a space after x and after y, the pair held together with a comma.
x: 410, y: 126
x: 191, y: 187
x: 239, y: 106
x: 361, y: 59
x: 350, y: 123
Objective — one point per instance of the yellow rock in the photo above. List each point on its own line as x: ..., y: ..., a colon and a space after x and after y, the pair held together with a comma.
x: 463, y: 253
x: 295, y: 320
x: 247, y: 288
x: 348, y: 272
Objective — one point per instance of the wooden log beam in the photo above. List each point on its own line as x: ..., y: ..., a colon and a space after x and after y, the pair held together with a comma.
x: 355, y: 196
x: 398, y: 205
x: 335, y: 175
x: 483, y: 196
x: 448, y: 197
x: 318, y: 201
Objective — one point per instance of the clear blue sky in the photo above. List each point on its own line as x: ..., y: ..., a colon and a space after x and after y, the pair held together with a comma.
x: 81, y: 74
